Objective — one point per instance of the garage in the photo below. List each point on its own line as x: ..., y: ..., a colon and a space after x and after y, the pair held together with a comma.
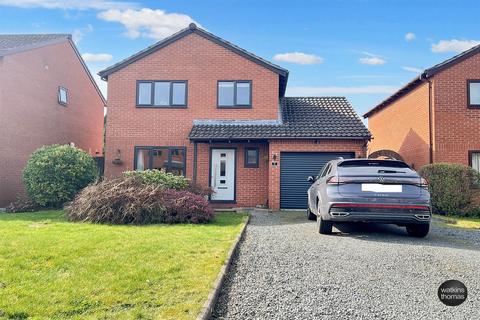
x: 295, y: 167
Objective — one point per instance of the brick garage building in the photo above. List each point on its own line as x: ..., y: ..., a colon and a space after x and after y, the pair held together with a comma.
x: 435, y: 117
x: 47, y: 96
x: 197, y: 105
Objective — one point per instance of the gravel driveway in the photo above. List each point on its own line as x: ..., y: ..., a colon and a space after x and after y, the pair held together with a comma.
x: 285, y: 269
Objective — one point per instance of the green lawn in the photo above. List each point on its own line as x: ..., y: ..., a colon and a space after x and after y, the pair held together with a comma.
x: 53, y: 269
x: 466, y: 223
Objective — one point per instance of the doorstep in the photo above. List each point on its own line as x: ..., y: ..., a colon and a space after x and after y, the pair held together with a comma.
x: 242, y: 210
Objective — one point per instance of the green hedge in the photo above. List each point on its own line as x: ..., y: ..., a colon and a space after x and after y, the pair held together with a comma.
x: 160, y: 178
x: 450, y: 186
x: 54, y: 174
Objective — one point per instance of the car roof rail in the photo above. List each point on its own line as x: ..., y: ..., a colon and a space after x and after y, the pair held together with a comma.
x: 340, y: 158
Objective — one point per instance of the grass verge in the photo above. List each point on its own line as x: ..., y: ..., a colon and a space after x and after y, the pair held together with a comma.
x: 465, y: 223
x: 52, y: 268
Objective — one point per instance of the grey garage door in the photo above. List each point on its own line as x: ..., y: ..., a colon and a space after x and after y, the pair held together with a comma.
x: 295, y: 167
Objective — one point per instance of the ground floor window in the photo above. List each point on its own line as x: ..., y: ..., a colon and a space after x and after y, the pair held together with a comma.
x: 171, y: 159
x: 251, y: 157
x: 475, y: 160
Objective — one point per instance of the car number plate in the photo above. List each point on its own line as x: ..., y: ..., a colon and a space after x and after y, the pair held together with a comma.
x: 377, y: 187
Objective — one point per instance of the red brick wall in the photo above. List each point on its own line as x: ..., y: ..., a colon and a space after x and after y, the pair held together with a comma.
x: 277, y: 146
x: 457, y: 128
x: 30, y: 115
x: 252, y: 183
x: 403, y: 127
x: 202, y: 63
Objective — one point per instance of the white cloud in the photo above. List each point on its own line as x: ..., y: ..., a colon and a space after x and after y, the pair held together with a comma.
x: 68, y: 4
x: 371, y: 59
x: 410, y: 36
x: 334, y: 90
x: 298, y: 58
x: 412, y: 69
x: 454, y: 45
x: 145, y: 22
x: 96, y: 57
x: 374, y: 61
x: 78, y: 34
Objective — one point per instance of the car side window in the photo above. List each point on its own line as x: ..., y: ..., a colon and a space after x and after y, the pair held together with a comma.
x: 325, y: 170
x: 329, y: 170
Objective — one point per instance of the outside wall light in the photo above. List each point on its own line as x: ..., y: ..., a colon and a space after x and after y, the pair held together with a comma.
x: 117, y: 160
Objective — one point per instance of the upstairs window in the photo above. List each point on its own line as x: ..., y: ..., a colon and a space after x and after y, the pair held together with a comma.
x: 234, y: 94
x: 473, y: 91
x: 162, y: 94
x: 62, y: 96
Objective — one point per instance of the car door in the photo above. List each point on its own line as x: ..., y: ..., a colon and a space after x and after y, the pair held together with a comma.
x: 313, y: 191
x: 322, y: 186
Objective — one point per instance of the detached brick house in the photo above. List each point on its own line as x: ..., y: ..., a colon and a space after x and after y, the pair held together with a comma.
x: 47, y: 96
x: 435, y: 117
x: 197, y: 105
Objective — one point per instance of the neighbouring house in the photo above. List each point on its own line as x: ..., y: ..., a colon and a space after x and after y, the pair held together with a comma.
x: 197, y: 105
x: 435, y: 117
x: 47, y: 96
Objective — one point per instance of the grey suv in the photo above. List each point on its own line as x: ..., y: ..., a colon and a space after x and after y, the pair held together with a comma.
x: 369, y: 190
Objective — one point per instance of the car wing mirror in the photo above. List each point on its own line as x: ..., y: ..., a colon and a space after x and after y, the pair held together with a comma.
x: 311, y: 179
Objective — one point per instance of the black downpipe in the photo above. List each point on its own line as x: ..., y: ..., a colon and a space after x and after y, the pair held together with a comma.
x: 430, y: 129
x: 194, y: 162
x: 424, y: 78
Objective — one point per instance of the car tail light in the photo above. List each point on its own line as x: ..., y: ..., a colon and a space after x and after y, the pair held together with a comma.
x: 424, y: 183
x: 332, y: 180
x: 335, y: 180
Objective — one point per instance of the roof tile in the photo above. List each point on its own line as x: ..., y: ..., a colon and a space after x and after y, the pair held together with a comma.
x: 302, y: 117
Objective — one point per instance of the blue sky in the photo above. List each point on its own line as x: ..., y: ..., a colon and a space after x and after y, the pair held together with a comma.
x: 363, y: 50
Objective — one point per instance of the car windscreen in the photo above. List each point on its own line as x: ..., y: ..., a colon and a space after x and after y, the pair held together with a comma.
x: 373, y: 163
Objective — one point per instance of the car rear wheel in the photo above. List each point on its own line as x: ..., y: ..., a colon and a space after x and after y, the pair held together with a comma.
x: 324, y: 227
x: 418, y: 230
x: 311, y: 215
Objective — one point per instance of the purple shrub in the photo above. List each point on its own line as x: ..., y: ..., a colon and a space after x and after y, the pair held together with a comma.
x: 185, y: 207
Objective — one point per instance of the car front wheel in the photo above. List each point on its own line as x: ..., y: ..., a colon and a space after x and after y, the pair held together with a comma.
x: 324, y: 227
x: 418, y: 230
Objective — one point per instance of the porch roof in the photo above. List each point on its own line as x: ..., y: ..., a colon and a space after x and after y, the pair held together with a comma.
x: 300, y: 118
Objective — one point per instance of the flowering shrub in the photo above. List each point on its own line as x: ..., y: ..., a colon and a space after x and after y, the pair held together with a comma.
x: 185, y: 207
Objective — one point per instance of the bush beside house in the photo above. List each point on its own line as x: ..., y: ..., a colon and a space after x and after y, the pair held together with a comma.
x: 451, y: 187
x: 160, y: 178
x: 54, y: 174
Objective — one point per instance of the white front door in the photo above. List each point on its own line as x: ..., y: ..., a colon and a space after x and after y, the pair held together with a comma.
x: 222, y: 172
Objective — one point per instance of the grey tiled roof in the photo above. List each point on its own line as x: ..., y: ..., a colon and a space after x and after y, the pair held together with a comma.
x: 301, y: 117
x: 15, y: 42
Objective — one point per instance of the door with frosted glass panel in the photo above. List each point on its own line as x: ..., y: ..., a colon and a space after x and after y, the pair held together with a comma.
x: 222, y: 174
